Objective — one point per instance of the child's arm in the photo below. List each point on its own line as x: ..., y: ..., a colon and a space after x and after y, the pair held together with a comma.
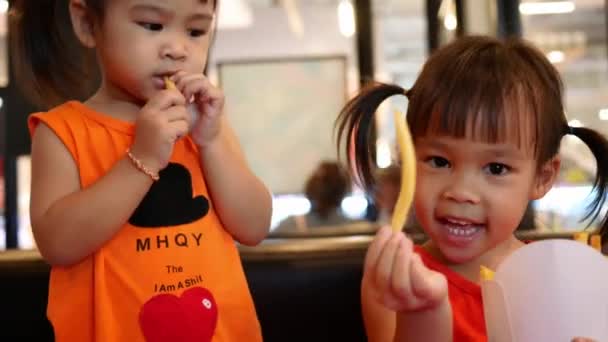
x: 242, y: 201
x: 70, y: 223
x: 398, y: 279
x: 240, y: 198
x: 432, y: 325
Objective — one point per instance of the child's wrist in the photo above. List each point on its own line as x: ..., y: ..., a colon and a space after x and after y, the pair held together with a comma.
x: 206, y: 142
x: 442, y: 305
x: 143, y: 166
x: 208, y: 137
x: 433, y: 323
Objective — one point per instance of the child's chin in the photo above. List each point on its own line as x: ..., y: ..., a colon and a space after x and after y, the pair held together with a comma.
x: 459, y: 255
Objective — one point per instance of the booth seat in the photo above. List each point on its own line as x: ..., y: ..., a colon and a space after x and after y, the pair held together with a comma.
x: 304, y: 288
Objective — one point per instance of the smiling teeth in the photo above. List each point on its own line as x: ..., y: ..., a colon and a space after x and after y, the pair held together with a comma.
x: 462, y: 232
x: 458, y: 222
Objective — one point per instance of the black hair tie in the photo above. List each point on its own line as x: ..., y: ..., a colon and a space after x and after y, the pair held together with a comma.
x: 569, y: 130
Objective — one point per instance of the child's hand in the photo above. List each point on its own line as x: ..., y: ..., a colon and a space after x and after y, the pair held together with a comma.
x: 399, y: 278
x: 582, y: 339
x: 208, y: 100
x: 162, y: 121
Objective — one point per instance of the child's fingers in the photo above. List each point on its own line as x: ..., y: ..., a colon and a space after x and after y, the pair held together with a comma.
x: 177, y: 113
x: 376, y: 247
x: 179, y: 76
x: 165, y: 99
x: 214, y: 99
x: 203, y: 91
x: 427, y: 285
x: 193, y: 84
x: 384, y: 267
x: 400, y: 281
x: 179, y: 128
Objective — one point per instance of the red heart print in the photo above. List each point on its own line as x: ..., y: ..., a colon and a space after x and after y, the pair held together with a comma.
x: 188, y: 318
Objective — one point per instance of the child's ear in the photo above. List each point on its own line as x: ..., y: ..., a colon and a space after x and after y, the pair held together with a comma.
x: 82, y: 23
x: 545, y: 178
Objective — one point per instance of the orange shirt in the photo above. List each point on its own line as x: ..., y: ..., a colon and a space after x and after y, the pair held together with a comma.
x: 465, y: 298
x: 172, y: 273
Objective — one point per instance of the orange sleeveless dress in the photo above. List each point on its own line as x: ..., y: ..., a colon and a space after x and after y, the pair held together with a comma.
x: 172, y: 273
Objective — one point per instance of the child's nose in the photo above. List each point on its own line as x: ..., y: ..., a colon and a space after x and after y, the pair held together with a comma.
x: 461, y: 189
x: 174, y: 49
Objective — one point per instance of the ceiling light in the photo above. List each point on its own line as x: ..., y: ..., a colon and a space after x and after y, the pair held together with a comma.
x: 346, y: 18
x: 383, y: 153
x: 294, y: 17
x: 450, y: 22
x: 556, y: 56
x: 555, y: 7
x: 234, y: 14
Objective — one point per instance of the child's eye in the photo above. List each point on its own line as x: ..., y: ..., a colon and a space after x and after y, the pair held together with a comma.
x: 497, y: 169
x: 151, y: 26
x: 197, y: 33
x: 438, y: 162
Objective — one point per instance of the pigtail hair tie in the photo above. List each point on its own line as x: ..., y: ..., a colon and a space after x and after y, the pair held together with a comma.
x: 569, y: 130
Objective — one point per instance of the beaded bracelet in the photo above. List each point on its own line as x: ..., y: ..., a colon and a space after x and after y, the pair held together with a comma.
x: 141, y: 167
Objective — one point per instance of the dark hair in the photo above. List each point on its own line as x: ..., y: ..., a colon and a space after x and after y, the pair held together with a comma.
x: 477, y: 82
x: 390, y: 174
x: 50, y: 64
x: 326, y: 187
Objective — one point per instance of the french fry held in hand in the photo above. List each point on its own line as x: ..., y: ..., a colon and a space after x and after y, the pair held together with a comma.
x: 194, y: 114
x: 408, y: 173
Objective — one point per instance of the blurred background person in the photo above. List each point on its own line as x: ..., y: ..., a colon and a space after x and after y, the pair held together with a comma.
x: 325, y: 189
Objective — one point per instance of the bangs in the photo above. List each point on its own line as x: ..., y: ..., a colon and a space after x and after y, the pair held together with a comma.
x: 477, y: 95
x: 482, y: 115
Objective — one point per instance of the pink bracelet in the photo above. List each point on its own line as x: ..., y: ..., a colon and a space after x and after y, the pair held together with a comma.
x: 141, y: 167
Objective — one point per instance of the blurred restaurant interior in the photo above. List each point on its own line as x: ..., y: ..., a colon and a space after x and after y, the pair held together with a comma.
x: 287, y: 67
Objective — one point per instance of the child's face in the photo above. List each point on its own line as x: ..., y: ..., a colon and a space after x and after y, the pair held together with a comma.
x: 141, y: 41
x: 471, y: 195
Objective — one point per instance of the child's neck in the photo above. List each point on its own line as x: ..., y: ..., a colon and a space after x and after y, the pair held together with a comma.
x: 490, y: 259
x: 115, y: 103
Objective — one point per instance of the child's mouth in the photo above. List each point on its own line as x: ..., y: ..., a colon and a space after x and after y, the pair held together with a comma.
x: 159, y: 79
x: 460, y: 230
x: 159, y: 82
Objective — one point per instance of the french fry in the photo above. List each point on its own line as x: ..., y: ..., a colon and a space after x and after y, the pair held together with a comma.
x: 582, y: 237
x: 486, y: 273
x: 191, y: 108
x: 596, y: 242
x: 169, y: 84
x: 408, y: 173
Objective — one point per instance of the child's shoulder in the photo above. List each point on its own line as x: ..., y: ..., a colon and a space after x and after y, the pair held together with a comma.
x: 75, y: 116
x: 57, y: 115
x: 65, y: 110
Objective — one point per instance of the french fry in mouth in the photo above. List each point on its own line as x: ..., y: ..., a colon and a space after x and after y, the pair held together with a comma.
x: 169, y: 84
